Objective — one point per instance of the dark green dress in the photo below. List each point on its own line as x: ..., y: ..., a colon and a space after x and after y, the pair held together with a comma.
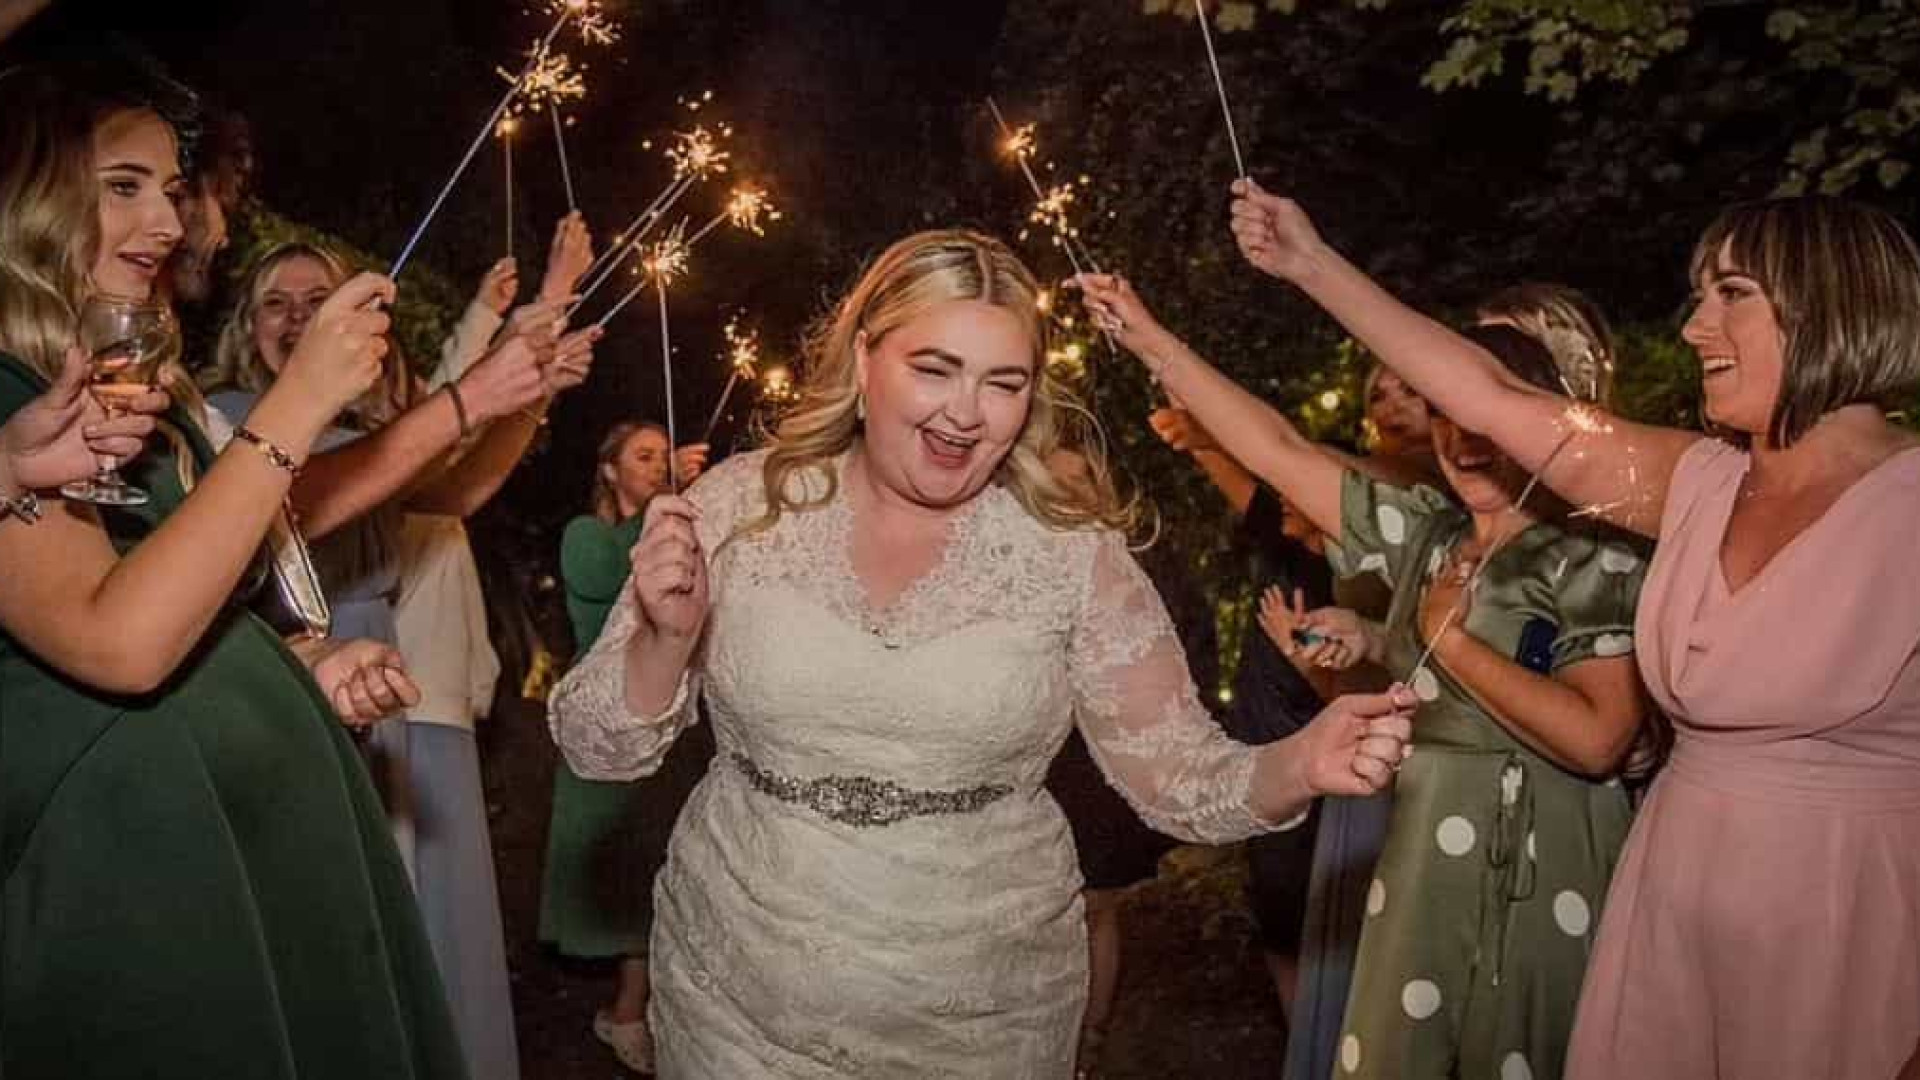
x: 1484, y: 903
x: 199, y: 882
x: 607, y: 840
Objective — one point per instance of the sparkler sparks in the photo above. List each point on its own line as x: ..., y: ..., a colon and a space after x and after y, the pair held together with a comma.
x: 590, y: 20
x: 748, y: 207
x: 743, y: 349
x: 699, y: 153
x: 549, y: 80
x: 777, y: 386
x: 667, y: 259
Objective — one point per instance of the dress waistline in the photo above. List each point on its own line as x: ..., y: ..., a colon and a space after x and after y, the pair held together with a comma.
x: 862, y: 801
x: 1771, y: 774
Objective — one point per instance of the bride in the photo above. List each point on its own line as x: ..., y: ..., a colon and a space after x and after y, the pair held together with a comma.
x: 892, y: 615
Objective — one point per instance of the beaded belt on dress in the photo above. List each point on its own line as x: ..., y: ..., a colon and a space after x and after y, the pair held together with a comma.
x: 862, y: 801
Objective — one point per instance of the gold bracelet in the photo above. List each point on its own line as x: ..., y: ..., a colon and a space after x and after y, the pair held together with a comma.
x: 274, y: 454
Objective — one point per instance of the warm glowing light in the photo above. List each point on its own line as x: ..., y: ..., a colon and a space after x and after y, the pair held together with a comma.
x: 550, y: 80
x: 748, y: 207
x: 743, y: 349
x: 698, y: 153
x: 1330, y: 400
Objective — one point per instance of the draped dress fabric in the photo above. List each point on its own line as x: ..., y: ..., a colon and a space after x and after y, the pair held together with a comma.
x: 794, y: 938
x: 1765, y: 920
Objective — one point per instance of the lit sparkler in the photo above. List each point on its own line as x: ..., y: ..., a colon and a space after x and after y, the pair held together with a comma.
x: 505, y: 129
x: 695, y: 155
x: 568, y: 10
x: 746, y: 209
x: 590, y: 20
x: 777, y: 386
x: 743, y: 357
x: 1050, y: 206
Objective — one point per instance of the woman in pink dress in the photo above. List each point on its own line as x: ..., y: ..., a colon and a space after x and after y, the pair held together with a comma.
x: 1765, y: 917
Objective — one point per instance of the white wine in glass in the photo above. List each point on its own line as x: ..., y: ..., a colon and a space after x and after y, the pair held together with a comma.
x: 127, y: 342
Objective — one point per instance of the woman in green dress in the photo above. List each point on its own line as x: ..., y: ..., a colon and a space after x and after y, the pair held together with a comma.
x: 607, y: 840
x: 1508, y: 817
x: 197, y: 876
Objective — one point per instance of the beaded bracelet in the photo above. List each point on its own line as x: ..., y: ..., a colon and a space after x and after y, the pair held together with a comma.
x: 274, y: 454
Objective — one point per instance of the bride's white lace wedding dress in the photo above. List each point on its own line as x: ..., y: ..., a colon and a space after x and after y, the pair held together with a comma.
x: 871, y: 880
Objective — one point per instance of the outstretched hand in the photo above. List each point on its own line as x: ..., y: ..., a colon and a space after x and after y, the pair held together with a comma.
x: 1274, y: 234
x: 1179, y: 430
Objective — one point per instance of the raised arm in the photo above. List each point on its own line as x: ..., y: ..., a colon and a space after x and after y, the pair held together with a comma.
x: 124, y: 623
x: 618, y: 712
x: 1144, y: 723
x: 1252, y: 431
x: 1589, y: 457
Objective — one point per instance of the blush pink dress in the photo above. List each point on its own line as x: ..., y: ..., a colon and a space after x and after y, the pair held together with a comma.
x: 1765, y: 917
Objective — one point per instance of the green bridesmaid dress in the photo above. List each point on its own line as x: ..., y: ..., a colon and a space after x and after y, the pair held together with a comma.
x: 199, y: 881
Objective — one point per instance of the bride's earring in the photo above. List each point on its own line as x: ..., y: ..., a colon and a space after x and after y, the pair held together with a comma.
x: 860, y: 407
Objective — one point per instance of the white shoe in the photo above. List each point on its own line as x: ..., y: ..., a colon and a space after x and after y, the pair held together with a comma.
x: 632, y: 1043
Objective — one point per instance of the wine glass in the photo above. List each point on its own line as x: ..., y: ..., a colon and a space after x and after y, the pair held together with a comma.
x: 127, y: 341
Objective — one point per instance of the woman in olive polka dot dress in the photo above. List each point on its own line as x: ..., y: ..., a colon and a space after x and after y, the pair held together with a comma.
x: 1506, y: 821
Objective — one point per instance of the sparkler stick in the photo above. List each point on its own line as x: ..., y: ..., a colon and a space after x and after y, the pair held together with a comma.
x: 567, y: 9
x: 560, y: 143
x: 1220, y: 85
x: 505, y: 128
x: 666, y: 379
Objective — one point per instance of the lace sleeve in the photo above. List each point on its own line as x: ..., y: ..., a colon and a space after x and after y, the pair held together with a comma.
x: 1141, y: 717
x: 600, y: 738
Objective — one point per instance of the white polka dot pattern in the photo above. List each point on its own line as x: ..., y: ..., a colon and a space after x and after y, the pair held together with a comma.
x: 1420, y: 999
x: 1455, y: 836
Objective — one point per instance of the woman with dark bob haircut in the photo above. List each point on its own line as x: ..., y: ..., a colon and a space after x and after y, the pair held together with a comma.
x: 1765, y: 919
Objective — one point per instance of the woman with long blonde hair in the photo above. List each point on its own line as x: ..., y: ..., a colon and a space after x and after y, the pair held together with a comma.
x: 890, y: 616
x: 196, y: 878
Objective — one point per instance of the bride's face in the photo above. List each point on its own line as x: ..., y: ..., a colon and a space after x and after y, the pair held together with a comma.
x: 947, y: 396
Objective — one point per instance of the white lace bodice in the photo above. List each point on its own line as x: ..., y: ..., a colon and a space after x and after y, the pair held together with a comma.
x: 967, y: 679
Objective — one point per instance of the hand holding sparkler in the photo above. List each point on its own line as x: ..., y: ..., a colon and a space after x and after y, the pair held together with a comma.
x: 567, y: 258
x: 498, y: 288
x: 1274, y: 233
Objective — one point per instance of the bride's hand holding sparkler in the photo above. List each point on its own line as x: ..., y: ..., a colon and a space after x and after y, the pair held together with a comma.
x: 567, y: 258
x: 1274, y: 233
x: 669, y: 584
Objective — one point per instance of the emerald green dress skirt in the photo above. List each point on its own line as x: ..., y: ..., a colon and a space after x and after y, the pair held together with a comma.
x: 199, y: 881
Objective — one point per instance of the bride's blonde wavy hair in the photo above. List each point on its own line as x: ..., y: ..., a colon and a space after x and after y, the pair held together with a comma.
x: 908, y: 279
